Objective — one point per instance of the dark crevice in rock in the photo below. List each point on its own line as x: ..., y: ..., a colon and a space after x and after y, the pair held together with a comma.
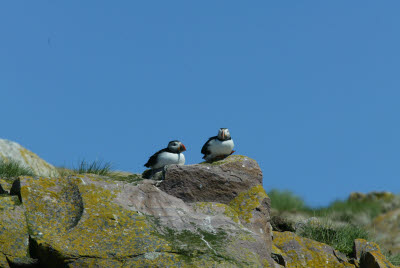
x: 16, y: 189
x: 281, y: 224
x: 278, y: 258
x: 47, y: 256
x: 74, y: 197
x: 338, y: 257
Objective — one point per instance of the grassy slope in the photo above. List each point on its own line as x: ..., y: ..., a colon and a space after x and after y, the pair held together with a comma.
x: 339, y: 236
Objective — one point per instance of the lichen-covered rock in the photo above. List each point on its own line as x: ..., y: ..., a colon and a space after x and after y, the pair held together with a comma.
x: 73, y: 218
x: 387, y: 230
x: 234, y: 184
x: 369, y: 255
x: 14, y: 239
x: 291, y: 250
x: 14, y: 151
x: 91, y: 221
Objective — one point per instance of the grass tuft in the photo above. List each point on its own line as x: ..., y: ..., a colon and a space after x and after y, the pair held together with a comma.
x: 94, y: 167
x: 339, y: 237
x: 11, y: 168
x: 286, y: 201
x: 394, y: 259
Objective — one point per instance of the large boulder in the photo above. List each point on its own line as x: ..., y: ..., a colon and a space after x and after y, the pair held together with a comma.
x: 93, y: 221
x: 234, y: 183
x: 291, y: 250
x: 226, y: 179
x: 14, y: 151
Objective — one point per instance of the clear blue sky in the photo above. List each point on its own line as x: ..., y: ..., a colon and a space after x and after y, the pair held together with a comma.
x: 310, y: 89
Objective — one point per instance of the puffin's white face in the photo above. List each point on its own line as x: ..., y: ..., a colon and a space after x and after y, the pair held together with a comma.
x: 176, y: 146
x: 223, y: 134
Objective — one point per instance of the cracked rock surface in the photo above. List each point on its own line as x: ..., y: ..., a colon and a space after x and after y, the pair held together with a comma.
x: 93, y: 221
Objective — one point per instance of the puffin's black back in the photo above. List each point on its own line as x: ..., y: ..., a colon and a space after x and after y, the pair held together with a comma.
x: 204, y: 150
x: 153, y: 159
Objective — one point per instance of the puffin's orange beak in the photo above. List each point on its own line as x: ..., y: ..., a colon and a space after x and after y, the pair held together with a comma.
x: 223, y: 135
x: 183, y: 148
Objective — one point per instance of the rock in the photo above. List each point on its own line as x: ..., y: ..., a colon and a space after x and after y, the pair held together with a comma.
x: 4, y: 186
x: 387, y: 230
x: 14, y: 151
x: 295, y: 251
x: 235, y: 181
x: 361, y: 246
x: 370, y: 255
x: 281, y: 224
x: 92, y: 221
x: 227, y: 178
x: 13, y: 231
x: 154, y: 174
x: 372, y: 196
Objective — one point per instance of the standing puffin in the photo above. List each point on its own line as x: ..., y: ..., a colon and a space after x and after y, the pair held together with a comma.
x: 167, y: 156
x: 218, y: 147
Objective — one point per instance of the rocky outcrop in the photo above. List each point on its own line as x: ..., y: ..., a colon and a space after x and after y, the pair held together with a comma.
x: 232, y: 186
x: 387, y: 230
x: 227, y: 178
x: 14, y: 151
x: 291, y: 250
x: 205, y: 215
x: 87, y: 221
x: 369, y: 255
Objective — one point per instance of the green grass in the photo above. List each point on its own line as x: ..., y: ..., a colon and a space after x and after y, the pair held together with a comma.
x: 10, y: 168
x: 94, y: 167
x: 342, y: 210
x: 394, y: 259
x: 286, y: 201
x: 341, y: 238
x: 348, y: 210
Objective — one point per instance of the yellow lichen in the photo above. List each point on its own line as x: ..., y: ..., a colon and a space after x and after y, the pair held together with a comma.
x: 247, y: 201
x: 102, y: 230
x: 216, y: 208
x: 304, y: 252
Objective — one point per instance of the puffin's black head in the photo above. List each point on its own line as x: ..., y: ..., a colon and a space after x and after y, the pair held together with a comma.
x: 223, y: 134
x: 176, y: 146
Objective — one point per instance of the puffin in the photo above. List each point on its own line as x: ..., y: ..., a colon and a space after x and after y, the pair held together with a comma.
x: 167, y: 156
x: 218, y: 147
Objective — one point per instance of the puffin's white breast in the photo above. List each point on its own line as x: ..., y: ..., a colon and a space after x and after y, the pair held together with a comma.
x: 166, y: 158
x: 217, y: 147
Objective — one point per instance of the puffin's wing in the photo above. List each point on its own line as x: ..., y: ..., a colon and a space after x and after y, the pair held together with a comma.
x: 204, y: 150
x: 153, y: 159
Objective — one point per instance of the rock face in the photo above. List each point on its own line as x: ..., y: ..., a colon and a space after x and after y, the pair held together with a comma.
x: 387, y: 230
x: 291, y: 250
x: 14, y: 151
x: 369, y: 255
x: 205, y: 215
x: 227, y: 178
x: 92, y: 221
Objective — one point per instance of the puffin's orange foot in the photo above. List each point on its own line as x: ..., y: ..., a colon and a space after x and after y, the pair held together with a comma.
x: 232, y: 152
